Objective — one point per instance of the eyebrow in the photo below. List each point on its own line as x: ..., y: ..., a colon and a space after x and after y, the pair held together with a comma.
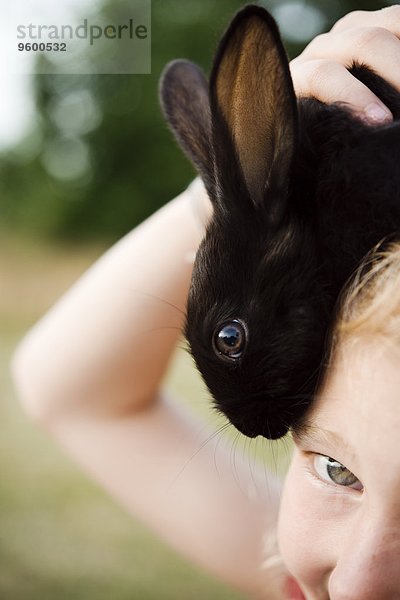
x: 308, y: 433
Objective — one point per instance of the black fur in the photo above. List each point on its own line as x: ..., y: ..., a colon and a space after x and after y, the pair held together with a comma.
x: 287, y: 231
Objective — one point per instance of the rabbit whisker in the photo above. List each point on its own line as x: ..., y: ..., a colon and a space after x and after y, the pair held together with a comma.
x: 212, y: 436
x: 159, y: 299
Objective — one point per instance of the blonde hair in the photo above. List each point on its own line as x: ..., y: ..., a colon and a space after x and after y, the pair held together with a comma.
x: 370, y: 302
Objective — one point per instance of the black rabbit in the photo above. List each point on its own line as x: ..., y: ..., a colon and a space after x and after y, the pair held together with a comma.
x: 301, y: 191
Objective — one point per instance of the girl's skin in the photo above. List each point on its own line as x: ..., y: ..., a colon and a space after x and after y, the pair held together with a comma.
x: 91, y: 372
x: 346, y: 543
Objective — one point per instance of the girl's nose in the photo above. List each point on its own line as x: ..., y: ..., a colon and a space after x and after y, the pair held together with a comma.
x: 369, y: 566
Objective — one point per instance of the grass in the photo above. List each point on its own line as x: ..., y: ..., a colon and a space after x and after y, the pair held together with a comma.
x: 60, y: 535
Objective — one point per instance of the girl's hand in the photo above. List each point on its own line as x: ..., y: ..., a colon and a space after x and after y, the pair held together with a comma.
x: 367, y: 37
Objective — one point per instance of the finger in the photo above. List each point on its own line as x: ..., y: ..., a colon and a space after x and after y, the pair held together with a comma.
x: 330, y: 82
x: 374, y: 46
x: 388, y: 17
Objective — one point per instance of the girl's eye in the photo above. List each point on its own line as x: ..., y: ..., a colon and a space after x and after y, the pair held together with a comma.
x: 331, y: 470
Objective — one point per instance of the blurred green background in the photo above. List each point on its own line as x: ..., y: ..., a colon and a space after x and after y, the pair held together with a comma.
x: 97, y: 159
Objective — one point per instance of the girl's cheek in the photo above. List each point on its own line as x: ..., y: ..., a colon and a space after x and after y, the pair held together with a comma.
x: 306, y: 531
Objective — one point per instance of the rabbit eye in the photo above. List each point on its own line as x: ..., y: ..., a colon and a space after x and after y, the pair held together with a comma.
x: 230, y: 339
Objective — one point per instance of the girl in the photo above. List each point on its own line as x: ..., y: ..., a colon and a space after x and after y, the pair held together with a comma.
x: 91, y: 373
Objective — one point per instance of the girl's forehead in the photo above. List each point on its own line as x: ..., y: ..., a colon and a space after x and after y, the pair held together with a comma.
x: 360, y: 398
x: 355, y: 420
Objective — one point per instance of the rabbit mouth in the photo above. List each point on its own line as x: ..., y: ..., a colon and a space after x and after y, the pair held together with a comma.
x: 253, y: 429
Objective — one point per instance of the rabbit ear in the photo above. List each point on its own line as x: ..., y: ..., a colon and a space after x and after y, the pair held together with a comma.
x: 253, y: 107
x: 185, y: 102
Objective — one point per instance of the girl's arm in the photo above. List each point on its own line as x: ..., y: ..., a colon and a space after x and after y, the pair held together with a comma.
x: 90, y: 373
x: 103, y: 348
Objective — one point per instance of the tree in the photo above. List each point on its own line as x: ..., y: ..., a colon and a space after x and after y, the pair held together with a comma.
x: 105, y: 159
